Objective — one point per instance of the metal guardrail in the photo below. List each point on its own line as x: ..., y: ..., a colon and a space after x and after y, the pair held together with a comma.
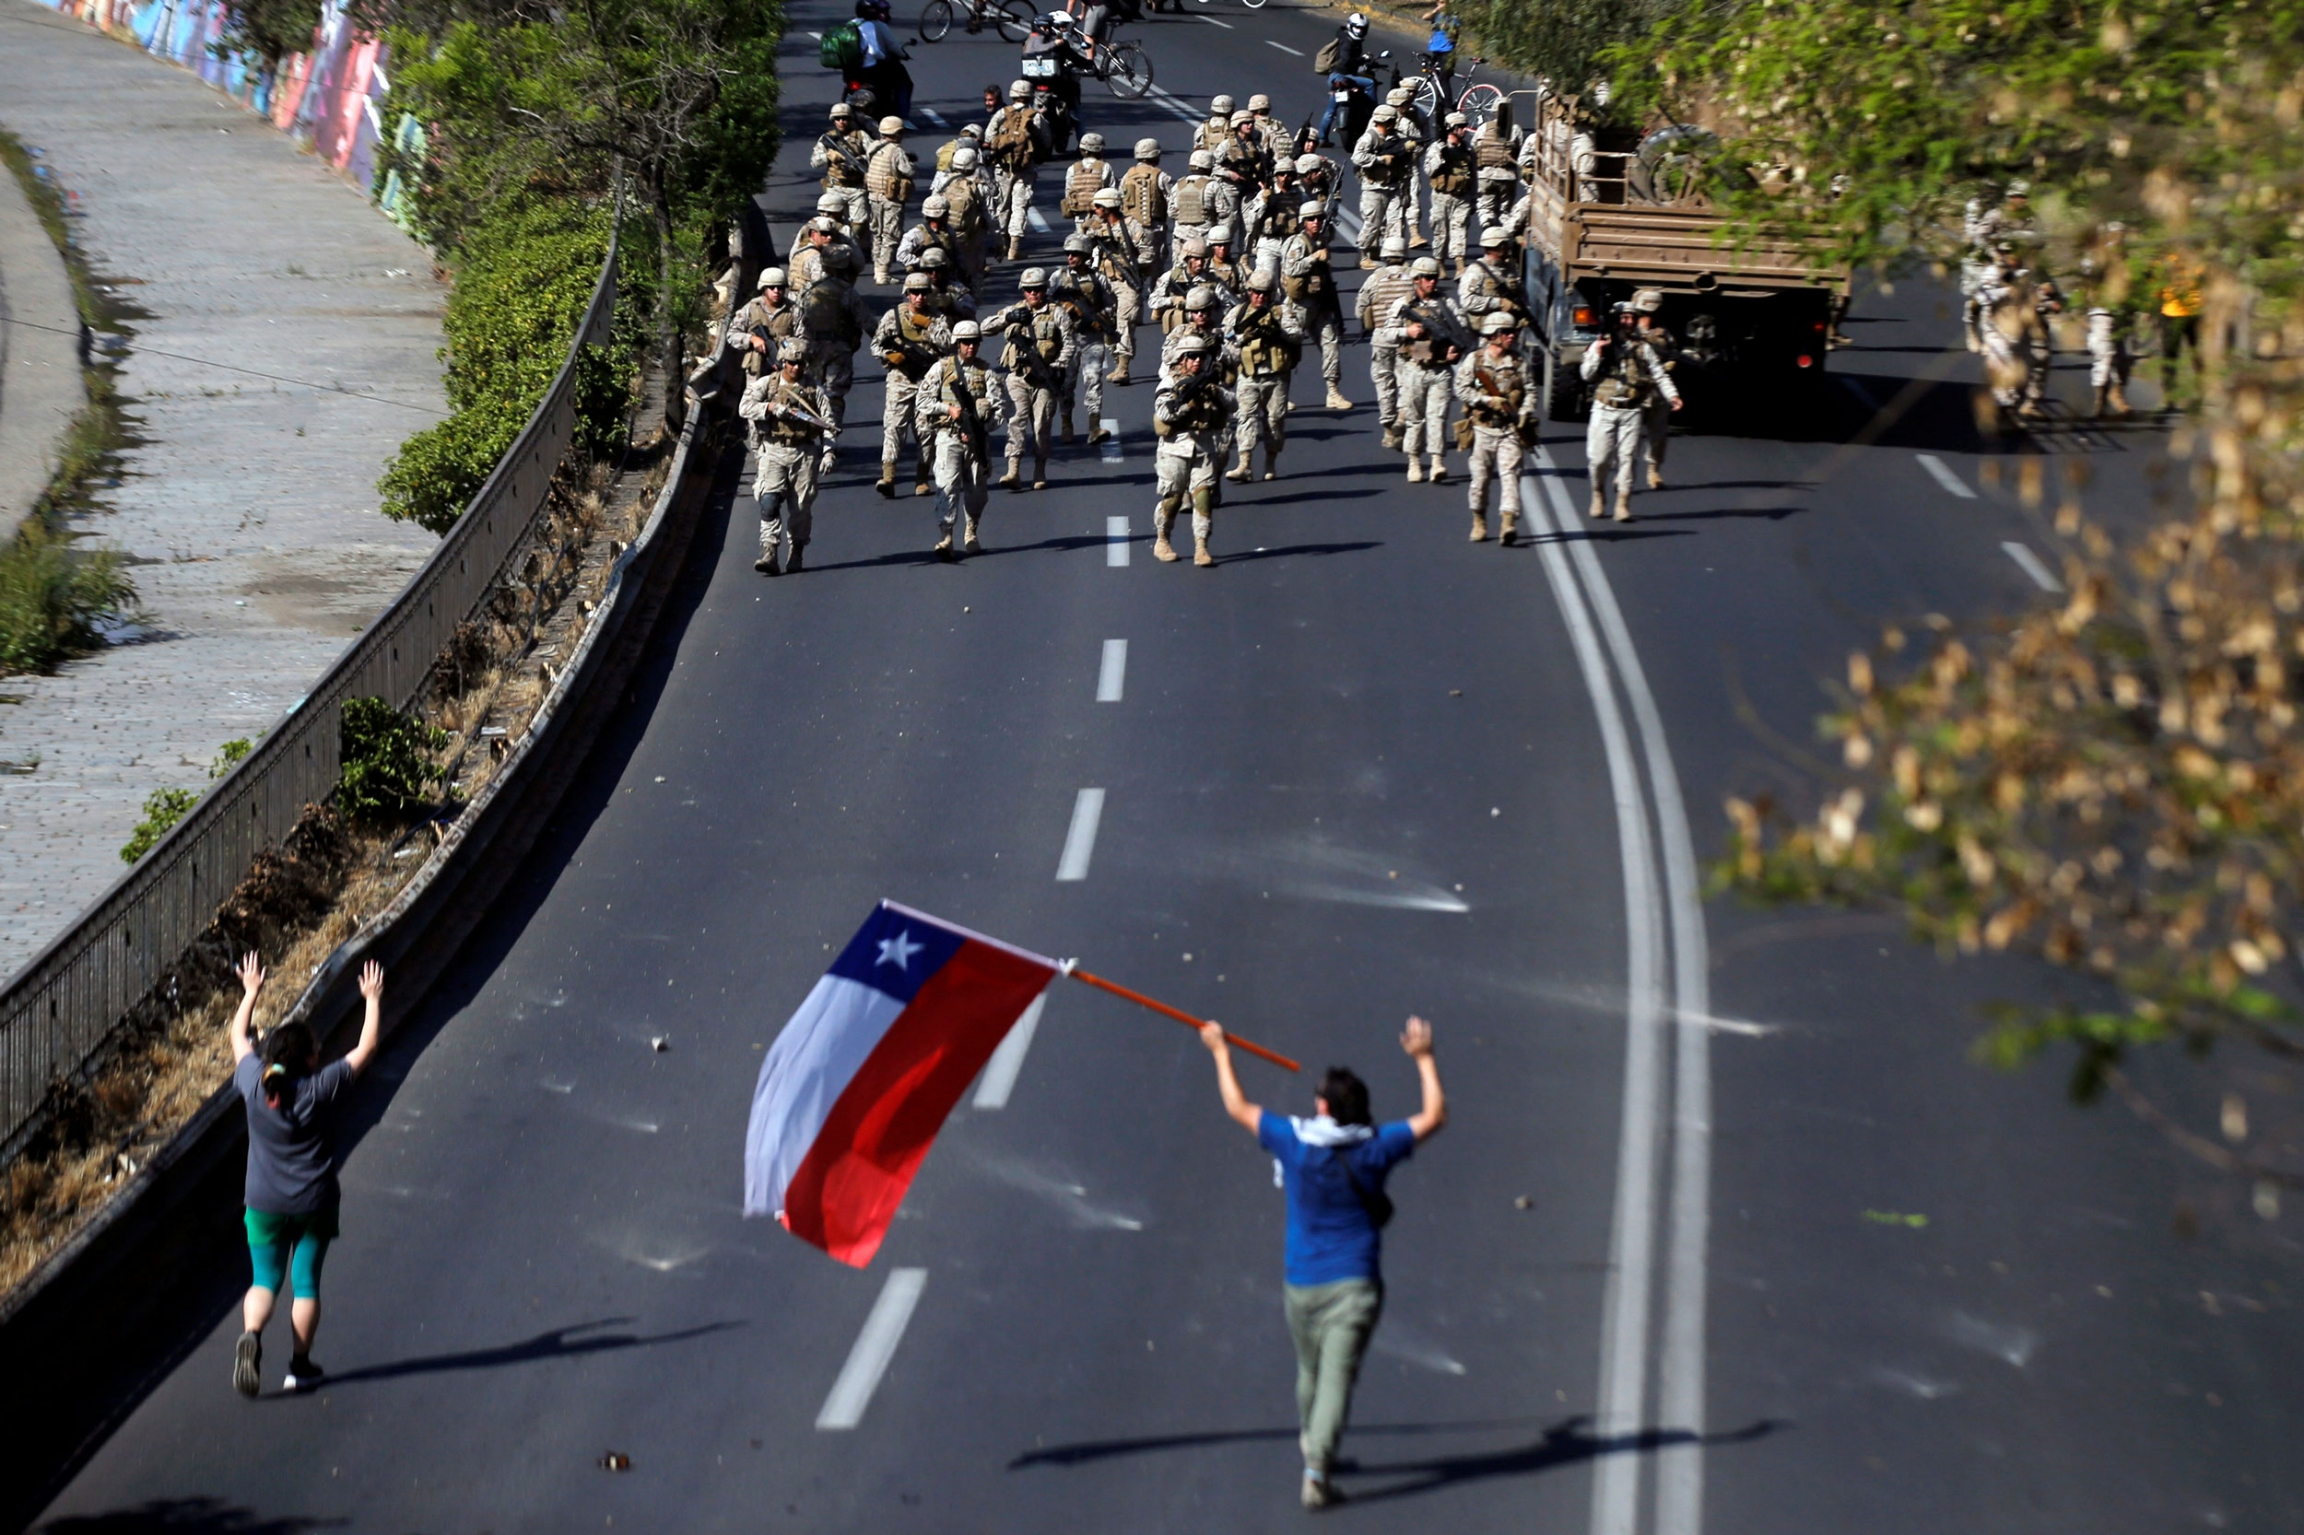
x: 59, y: 1013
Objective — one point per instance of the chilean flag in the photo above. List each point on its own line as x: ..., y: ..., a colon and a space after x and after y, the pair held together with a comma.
x: 856, y: 1087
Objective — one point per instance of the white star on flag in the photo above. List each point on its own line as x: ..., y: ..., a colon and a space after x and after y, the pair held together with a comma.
x: 898, y: 951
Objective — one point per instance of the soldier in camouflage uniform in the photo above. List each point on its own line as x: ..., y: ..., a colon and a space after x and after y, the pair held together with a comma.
x: 1223, y: 269
x: 1144, y: 198
x: 1432, y: 338
x: 1169, y: 293
x: 1216, y: 132
x: 956, y: 408
x: 1491, y: 284
x: 1385, y: 159
x: 842, y: 154
x: 1041, y: 346
x: 1095, y: 322
x: 1452, y: 166
x: 787, y: 419
x: 1494, y: 388
x: 1321, y: 181
x: 1189, y: 416
x: 834, y: 323
x: 948, y: 298
x: 1267, y: 333
x: 909, y: 340
x: 829, y: 205
x: 1017, y: 139
x: 1272, y: 219
x: 888, y: 187
x: 933, y: 232
x: 1378, y: 294
x: 1308, y: 277
x: 1119, y: 242
x: 1189, y: 205
x: 1090, y: 174
x: 756, y: 330
x: 1204, y: 309
x: 1625, y: 371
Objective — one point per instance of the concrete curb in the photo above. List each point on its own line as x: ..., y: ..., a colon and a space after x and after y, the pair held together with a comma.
x: 84, y: 1336
x: 41, y: 387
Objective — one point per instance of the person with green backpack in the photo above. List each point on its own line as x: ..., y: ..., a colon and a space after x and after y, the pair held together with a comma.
x: 866, y: 53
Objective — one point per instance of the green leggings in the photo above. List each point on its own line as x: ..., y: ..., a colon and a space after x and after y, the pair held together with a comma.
x: 1331, y: 1325
x: 289, y: 1246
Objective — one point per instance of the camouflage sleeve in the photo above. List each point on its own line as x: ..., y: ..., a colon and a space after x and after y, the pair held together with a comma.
x: 1071, y: 335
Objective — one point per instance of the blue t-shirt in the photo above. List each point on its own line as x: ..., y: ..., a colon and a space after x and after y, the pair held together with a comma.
x: 1329, y: 1234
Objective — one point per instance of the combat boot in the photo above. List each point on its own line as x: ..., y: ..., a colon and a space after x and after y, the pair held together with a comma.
x: 1336, y: 400
x: 1119, y: 373
x: 1097, y: 434
x: 1623, y: 506
x: 1368, y: 263
x: 2117, y: 397
x: 1200, y: 555
x: 944, y: 546
x: 1271, y: 463
x: 923, y: 476
x: 971, y: 543
x: 1479, y: 527
x: 1510, y: 534
x: 1392, y: 436
x: 1039, y: 474
x: 1240, y: 473
x: 792, y: 565
x: 1415, y: 470
x: 766, y: 564
x: 1068, y: 438
x: 1013, y: 479
x: 1599, y: 502
x: 1015, y: 246
x: 1655, y: 478
x: 1162, y: 550
x: 1439, y: 468
x: 887, y: 482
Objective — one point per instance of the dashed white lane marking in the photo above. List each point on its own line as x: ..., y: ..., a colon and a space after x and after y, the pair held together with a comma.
x: 1284, y: 48
x: 1212, y: 21
x: 1945, y: 477
x: 1113, y: 674
x: 875, y: 1346
x: 817, y: 35
x: 935, y: 118
x: 1115, y: 540
x: 1176, y: 104
x: 1349, y: 222
x: 1111, y: 441
x: 2032, y: 565
x: 1080, y: 840
x: 1036, y: 219
x: 1000, y: 1073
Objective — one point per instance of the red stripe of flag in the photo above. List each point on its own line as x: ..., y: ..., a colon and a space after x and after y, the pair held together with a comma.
x: 846, y: 1190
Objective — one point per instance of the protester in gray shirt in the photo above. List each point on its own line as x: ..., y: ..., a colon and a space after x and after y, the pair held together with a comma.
x: 291, y: 1191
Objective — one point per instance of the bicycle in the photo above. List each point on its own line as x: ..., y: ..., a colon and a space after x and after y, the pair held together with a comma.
x: 1012, y: 17
x: 1478, y: 103
x: 1123, y: 66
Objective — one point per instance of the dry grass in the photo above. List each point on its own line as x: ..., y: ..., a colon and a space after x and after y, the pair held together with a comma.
x: 297, y: 907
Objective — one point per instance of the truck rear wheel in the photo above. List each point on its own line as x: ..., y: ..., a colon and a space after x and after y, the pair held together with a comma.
x: 1563, y: 391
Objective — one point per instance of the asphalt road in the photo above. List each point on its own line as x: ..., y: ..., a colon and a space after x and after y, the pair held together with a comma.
x: 1360, y: 769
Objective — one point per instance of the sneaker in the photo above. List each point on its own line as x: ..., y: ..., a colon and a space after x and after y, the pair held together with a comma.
x: 248, y: 1365
x: 1320, y: 1492
x: 303, y: 1375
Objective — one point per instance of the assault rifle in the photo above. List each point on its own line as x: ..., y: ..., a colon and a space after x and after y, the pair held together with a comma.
x: 804, y: 416
x: 971, y: 419
x: 836, y: 150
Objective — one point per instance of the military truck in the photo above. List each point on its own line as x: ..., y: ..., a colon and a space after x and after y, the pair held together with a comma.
x: 1614, y: 211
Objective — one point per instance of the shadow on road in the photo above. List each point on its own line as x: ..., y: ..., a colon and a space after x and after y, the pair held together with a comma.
x: 553, y: 1343
x: 190, y: 1516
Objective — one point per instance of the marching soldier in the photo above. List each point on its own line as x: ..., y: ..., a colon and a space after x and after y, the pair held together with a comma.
x: 1624, y: 372
x: 1309, y: 279
x: 1202, y: 306
x: 1268, y: 334
x: 1320, y: 180
x: 1410, y: 209
x: 834, y: 323
x: 956, y: 408
x: 1378, y: 294
x: 1090, y: 174
x: 1216, y: 132
x: 819, y: 237
x: 829, y: 205
x: 1272, y: 220
x: 1270, y: 129
x: 789, y: 423
x: 1017, y: 139
x: 1494, y: 388
x: 1385, y: 160
x: 1244, y: 151
x: 1144, y: 195
x: 933, y: 232
x: 1189, y: 417
x: 1191, y: 203
x: 1223, y: 270
x: 1119, y: 240
x: 1041, y: 345
x: 1496, y: 152
x: 1452, y: 166
x: 888, y: 187
x: 948, y: 298
x: 843, y: 154
x: 1491, y: 284
x: 759, y: 330
x: 971, y: 135
x: 973, y: 236
x: 910, y: 339
x: 1169, y: 293
x: 1432, y: 338
x: 1656, y: 431
x: 1095, y: 309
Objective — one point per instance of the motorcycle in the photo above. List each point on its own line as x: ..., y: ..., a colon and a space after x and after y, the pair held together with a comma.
x: 1358, y: 105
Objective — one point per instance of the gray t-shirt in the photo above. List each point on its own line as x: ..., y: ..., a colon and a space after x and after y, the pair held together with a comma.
x: 292, y: 1148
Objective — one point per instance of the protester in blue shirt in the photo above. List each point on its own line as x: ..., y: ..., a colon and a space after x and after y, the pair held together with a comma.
x: 1333, y: 1167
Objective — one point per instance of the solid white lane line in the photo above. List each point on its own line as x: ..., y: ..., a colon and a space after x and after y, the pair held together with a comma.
x: 1036, y: 219
x: 1113, y: 674
x: 1111, y: 442
x: 1945, y: 477
x: 1000, y: 1073
x: 1284, y: 48
x: 1212, y: 21
x: 2031, y: 565
x: 1080, y: 839
x: 875, y: 1346
x: 1631, y: 1241
x: 1349, y: 222
x: 935, y: 118
x: 1115, y: 540
x: 1688, y: 1222
x: 1177, y: 105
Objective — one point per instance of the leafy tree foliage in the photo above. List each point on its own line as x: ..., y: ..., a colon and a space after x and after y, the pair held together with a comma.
x: 388, y: 768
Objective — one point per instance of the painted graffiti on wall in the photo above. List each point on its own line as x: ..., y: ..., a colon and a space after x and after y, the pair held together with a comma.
x: 328, y: 100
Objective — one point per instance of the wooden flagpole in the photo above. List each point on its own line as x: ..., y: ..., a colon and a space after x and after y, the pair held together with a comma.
x: 1141, y: 1000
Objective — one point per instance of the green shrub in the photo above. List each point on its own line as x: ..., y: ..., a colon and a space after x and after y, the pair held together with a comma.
x: 54, y: 598
x: 388, y: 769
x: 163, y: 808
